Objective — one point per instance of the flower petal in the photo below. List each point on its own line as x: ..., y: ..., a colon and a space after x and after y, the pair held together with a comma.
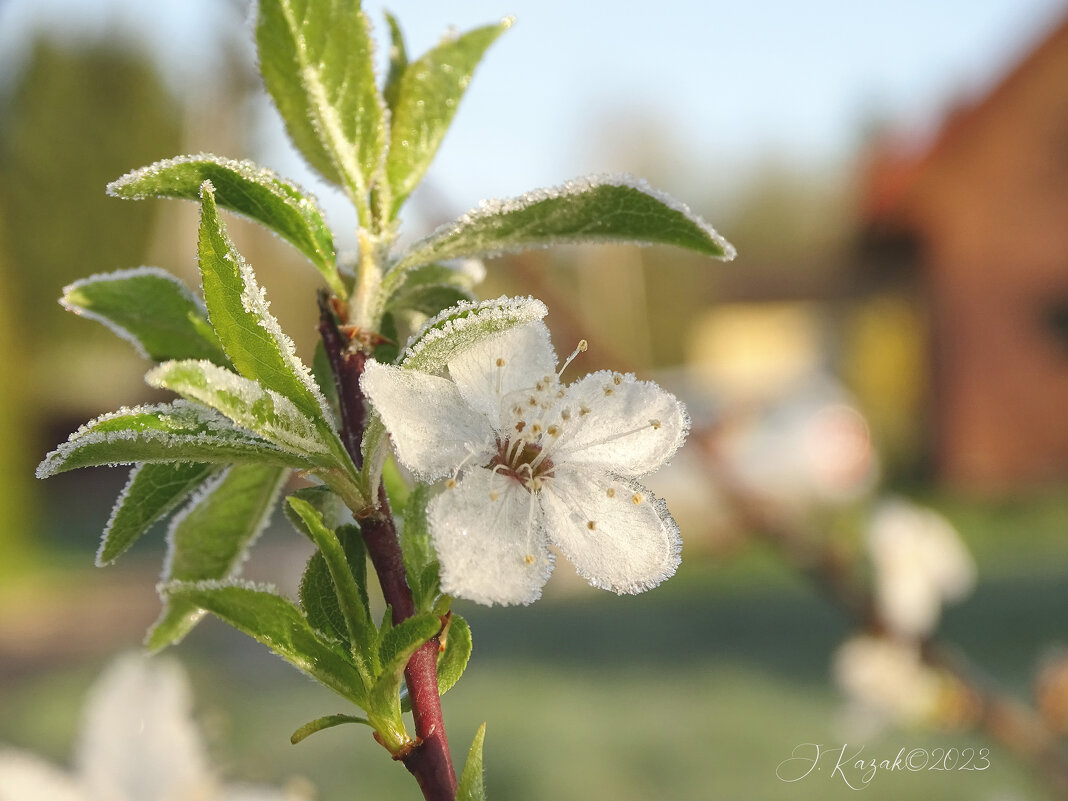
x: 27, y: 777
x: 138, y: 740
x: 490, y: 540
x: 618, y: 535
x: 433, y: 429
x: 526, y: 357
x: 620, y: 424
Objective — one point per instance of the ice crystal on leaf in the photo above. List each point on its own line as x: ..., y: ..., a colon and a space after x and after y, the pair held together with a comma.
x: 531, y: 462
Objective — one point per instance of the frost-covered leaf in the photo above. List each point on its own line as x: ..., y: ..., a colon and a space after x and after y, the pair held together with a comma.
x: 272, y: 620
x: 150, y: 308
x: 396, y: 646
x: 594, y: 209
x: 319, y: 601
x: 461, y: 326
x: 453, y: 661
x: 250, y: 335
x: 360, y: 631
x: 470, y: 787
x: 415, y: 544
x: 375, y: 449
x: 264, y: 411
x: 398, y: 62
x: 428, y: 92
x: 211, y: 537
x: 317, y: 61
x: 325, y: 722
x: 174, y: 432
x: 245, y: 188
x: 152, y: 491
x: 400, y: 642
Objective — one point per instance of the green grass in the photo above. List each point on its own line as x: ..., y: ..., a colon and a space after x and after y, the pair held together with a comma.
x: 695, y: 691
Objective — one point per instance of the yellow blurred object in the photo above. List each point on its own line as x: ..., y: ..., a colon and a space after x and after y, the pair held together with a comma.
x: 752, y: 351
x: 884, y: 364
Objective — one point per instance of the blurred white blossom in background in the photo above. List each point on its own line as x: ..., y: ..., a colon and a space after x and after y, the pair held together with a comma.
x: 919, y: 563
x: 138, y: 742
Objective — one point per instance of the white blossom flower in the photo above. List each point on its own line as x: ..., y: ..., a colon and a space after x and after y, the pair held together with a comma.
x: 886, y: 678
x: 531, y: 462
x: 138, y: 743
x: 920, y: 562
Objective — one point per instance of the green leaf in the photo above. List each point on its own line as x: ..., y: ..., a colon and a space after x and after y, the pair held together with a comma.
x: 250, y: 335
x: 470, y: 787
x: 211, y: 537
x: 317, y: 62
x: 453, y: 661
x: 595, y: 209
x: 150, y: 308
x: 278, y: 624
x: 174, y: 432
x: 426, y: 99
x: 388, y: 350
x: 463, y: 325
x: 400, y: 642
x: 318, y: 599
x: 248, y: 189
x: 324, y: 376
x: 264, y: 411
x: 361, y: 631
x: 415, y: 543
x: 150, y: 494
x: 398, y: 62
x: 325, y: 722
x: 375, y: 449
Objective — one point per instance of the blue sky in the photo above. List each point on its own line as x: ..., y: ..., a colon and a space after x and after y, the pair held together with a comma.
x: 733, y: 82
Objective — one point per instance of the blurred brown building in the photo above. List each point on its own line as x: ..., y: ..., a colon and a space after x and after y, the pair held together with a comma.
x: 973, y: 229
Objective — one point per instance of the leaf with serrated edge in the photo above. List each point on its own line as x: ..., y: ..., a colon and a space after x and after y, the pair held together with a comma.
x: 471, y: 787
x: 151, y: 492
x: 211, y: 537
x: 319, y: 600
x: 361, y: 632
x: 247, y: 189
x: 464, y: 324
x: 325, y: 722
x: 149, y: 308
x: 317, y: 62
x: 398, y: 62
x: 250, y: 335
x: 168, y: 432
x: 272, y: 620
x: 264, y: 411
x: 426, y: 99
x: 453, y: 662
x: 416, y: 548
x: 593, y: 209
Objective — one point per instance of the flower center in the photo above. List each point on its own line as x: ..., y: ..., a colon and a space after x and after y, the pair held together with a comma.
x: 522, y: 461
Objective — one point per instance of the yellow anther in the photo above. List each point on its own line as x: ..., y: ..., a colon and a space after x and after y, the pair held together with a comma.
x: 582, y: 345
x: 636, y: 497
x: 451, y: 483
x: 583, y: 411
x: 591, y: 525
x: 520, y: 425
x: 655, y: 424
x: 554, y: 431
x: 533, y: 401
x: 529, y: 559
x: 500, y: 362
x: 536, y: 428
x: 608, y: 390
x: 494, y: 496
x: 617, y: 379
x: 565, y: 415
x: 610, y: 492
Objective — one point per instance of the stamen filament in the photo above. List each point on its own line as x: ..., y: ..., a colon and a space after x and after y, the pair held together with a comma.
x: 580, y: 348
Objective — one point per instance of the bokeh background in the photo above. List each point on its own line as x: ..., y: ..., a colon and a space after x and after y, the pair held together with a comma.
x: 895, y: 177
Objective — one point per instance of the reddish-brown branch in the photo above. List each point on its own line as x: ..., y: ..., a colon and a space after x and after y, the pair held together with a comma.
x: 1016, y: 726
x: 429, y: 761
